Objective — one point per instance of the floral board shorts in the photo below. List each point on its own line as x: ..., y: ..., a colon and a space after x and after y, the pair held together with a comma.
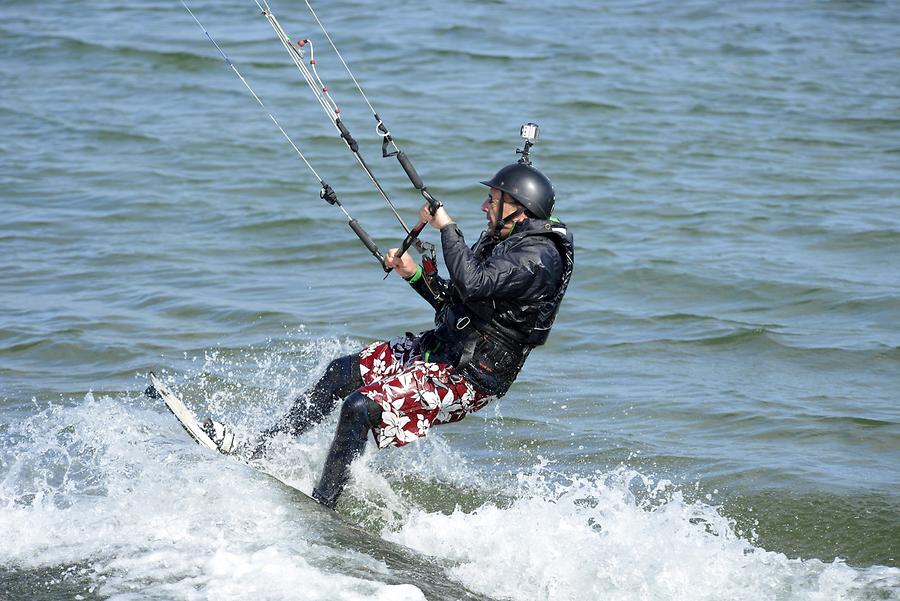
x: 412, y: 393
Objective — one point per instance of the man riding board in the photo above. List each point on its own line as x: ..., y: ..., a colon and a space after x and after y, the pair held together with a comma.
x: 499, y: 303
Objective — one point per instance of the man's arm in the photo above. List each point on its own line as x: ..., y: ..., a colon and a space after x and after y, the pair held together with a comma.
x: 523, y: 270
x: 501, y: 275
x: 433, y: 289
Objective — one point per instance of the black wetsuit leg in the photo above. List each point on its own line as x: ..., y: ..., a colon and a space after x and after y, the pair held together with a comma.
x: 341, y: 377
x: 358, y: 415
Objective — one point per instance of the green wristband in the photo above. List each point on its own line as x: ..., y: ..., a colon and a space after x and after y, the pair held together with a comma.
x: 416, y: 276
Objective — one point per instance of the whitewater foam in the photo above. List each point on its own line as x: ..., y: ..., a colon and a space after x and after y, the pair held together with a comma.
x: 114, y: 494
x: 118, y: 488
x: 593, y: 538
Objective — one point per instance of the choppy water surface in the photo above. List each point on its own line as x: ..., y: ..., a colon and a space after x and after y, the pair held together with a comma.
x: 715, y: 417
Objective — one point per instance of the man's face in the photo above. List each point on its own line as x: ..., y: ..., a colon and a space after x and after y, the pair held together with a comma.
x: 491, y: 205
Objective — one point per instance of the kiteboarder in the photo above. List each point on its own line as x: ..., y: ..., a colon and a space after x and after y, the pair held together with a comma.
x: 499, y: 303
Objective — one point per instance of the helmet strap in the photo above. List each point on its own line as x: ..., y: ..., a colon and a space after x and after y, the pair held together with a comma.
x: 503, y: 221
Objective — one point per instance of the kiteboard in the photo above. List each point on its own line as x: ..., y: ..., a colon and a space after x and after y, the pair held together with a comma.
x: 189, y: 422
x: 327, y: 527
x: 184, y: 415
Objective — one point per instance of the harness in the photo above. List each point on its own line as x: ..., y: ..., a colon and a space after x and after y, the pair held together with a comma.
x: 492, y: 352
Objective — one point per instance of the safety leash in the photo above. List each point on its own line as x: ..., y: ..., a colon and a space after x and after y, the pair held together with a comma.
x: 296, y: 52
x: 380, y: 127
x: 327, y: 193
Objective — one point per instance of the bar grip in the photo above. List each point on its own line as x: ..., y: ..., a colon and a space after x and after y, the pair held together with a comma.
x: 364, y: 237
x: 410, y: 238
x: 433, y: 202
x: 410, y: 170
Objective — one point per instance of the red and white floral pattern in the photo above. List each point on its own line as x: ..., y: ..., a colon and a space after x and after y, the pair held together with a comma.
x: 413, y: 394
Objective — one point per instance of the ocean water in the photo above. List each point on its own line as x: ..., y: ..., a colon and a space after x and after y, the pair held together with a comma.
x: 715, y: 417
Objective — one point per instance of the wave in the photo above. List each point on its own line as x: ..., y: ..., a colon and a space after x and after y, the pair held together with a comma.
x: 110, y: 491
x: 619, y: 535
x: 74, y: 46
x: 103, y: 495
x: 589, y: 105
x: 80, y: 49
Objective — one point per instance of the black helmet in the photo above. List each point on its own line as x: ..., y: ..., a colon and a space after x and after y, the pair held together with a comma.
x: 528, y: 186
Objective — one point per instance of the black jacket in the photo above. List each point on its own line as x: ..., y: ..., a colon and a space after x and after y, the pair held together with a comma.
x: 500, y: 301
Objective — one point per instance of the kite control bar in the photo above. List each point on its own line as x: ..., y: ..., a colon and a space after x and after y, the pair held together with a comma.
x: 433, y: 203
